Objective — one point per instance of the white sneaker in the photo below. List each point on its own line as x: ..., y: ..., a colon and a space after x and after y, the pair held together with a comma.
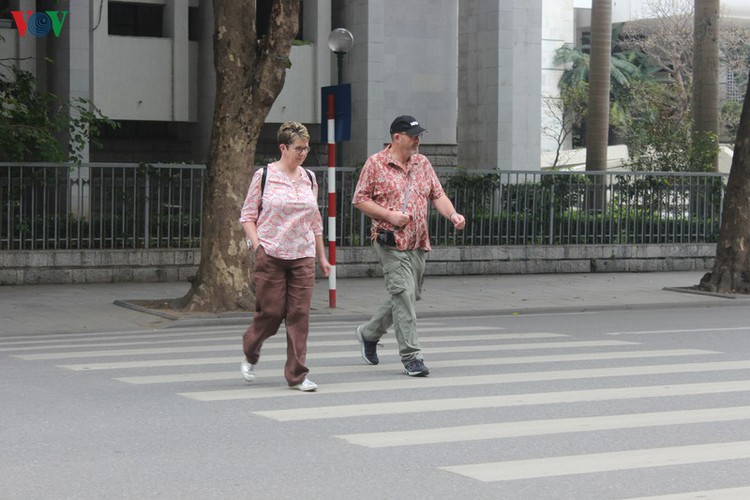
x: 248, y: 371
x: 306, y: 385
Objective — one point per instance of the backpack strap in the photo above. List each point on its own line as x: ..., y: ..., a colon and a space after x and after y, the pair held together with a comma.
x: 263, y: 177
x: 309, y: 176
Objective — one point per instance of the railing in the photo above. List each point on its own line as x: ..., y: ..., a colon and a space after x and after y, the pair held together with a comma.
x: 100, y: 206
x: 551, y: 208
x: 125, y: 206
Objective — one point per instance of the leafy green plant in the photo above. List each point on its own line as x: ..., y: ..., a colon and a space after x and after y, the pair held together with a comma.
x: 27, y: 124
x: 84, y: 127
x: 31, y: 121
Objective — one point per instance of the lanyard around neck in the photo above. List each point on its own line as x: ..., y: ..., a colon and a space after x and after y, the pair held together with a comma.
x: 408, y: 189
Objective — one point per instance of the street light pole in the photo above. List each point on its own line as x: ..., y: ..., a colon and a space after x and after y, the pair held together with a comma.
x: 339, y: 81
x: 340, y: 41
x: 340, y: 66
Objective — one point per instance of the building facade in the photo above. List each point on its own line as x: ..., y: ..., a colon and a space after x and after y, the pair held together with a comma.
x: 474, y: 72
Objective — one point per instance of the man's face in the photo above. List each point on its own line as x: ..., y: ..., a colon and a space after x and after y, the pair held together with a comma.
x: 408, y: 143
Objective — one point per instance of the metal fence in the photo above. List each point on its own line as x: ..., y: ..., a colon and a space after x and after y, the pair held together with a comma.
x: 551, y: 208
x: 100, y: 206
x: 119, y: 206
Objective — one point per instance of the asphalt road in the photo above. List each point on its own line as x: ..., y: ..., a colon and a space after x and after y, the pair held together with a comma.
x: 619, y: 404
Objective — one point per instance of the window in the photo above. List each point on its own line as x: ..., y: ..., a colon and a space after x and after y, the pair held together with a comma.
x: 136, y: 19
x: 194, y: 24
x: 6, y: 19
x: 586, y: 42
x: 735, y: 91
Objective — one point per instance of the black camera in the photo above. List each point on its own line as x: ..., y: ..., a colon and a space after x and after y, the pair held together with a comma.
x: 386, y: 238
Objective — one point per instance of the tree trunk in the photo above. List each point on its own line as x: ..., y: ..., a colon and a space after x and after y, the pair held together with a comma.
x: 249, y: 76
x: 597, y: 124
x: 706, y: 75
x: 731, y: 271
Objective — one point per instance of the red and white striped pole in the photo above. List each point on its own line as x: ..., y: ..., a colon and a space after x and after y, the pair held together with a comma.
x: 332, y: 200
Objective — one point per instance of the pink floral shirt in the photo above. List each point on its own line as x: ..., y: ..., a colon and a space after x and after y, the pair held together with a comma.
x: 289, y: 219
x: 384, y: 182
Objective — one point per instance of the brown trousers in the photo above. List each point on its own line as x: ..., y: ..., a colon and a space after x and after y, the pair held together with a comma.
x: 283, y: 291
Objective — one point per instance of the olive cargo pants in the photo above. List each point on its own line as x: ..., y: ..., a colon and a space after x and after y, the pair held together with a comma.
x: 403, y: 271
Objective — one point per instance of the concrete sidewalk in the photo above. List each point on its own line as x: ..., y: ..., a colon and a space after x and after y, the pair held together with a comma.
x: 34, y: 309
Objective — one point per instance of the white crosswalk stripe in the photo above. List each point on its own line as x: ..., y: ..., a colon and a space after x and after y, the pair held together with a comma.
x: 738, y: 329
x: 722, y: 494
x: 601, y: 462
x: 230, y: 375
x: 312, y: 357
x: 474, y: 380
x: 416, y: 437
x: 275, y: 344
x: 524, y: 386
x: 468, y: 403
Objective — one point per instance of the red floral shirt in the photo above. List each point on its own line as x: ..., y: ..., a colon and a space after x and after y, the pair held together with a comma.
x: 383, y: 181
x: 290, y: 218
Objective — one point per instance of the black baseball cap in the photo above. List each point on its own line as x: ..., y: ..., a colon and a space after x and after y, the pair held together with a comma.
x: 406, y: 124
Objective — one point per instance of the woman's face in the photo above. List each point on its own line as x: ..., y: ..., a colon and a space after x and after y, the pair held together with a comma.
x: 296, y: 152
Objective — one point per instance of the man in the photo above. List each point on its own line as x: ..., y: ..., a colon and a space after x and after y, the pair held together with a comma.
x: 394, y: 189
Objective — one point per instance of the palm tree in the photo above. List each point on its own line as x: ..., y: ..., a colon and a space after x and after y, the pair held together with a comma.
x: 706, y: 74
x: 597, y: 127
x: 624, y: 65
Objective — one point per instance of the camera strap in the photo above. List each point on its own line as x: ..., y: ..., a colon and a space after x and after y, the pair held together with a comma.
x: 408, y: 190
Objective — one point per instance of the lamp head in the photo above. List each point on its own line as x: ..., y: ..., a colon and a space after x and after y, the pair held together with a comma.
x: 341, y: 40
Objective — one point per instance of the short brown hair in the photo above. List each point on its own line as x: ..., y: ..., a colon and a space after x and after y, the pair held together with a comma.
x: 290, y: 132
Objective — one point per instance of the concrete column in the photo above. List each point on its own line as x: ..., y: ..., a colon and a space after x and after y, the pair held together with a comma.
x: 317, y: 26
x: 72, y: 80
x: 403, y: 62
x: 27, y: 45
x: 205, y: 83
x: 364, y: 69
x: 499, y: 90
x: 176, y: 28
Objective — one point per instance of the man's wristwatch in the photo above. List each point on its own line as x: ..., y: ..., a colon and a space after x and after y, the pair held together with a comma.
x: 249, y: 243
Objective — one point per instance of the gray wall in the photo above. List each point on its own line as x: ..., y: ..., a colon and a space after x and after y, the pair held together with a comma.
x: 403, y: 62
x: 499, y: 90
x: 62, y: 266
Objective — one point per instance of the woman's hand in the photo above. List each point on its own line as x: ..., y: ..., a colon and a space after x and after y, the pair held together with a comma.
x: 325, y: 266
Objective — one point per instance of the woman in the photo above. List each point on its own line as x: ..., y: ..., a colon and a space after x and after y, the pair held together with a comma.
x: 284, y: 228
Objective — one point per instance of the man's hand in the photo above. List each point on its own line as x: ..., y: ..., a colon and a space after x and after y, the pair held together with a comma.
x: 458, y: 220
x: 398, y: 218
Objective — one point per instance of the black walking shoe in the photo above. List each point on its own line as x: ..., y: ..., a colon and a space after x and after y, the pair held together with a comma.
x: 369, y: 348
x: 416, y: 368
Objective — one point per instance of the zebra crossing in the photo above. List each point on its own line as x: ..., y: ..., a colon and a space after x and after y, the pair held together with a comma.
x: 524, y: 387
